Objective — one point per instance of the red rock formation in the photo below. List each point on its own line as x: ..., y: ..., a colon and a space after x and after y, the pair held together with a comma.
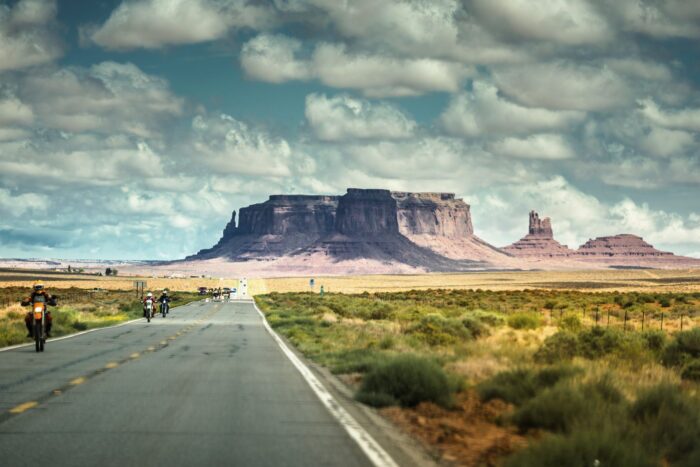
x: 280, y: 225
x: 619, y: 245
x: 539, y: 242
x: 433, y: 214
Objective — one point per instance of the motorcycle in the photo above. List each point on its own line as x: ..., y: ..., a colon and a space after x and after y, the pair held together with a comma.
x: 164, y: 308
x: 39, y: 315
x: 148, y: 310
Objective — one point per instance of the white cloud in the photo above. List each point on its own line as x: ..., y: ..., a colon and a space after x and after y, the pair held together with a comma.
x: 16, y: 205
x: 565, y: 86
x: 157, y: 23
x: 229, y: 146
x: 539, y: 146
x: 276, y: 59
x: 14, y: 112
x: 272, y: 58
x: 27, y: 35
x: 344, y: 118
x: 483, y: 112
x: 682, y: 119
x: 569, y: 22
x: 666, y: 143
x: 108, y: 97
x: 671, y: 18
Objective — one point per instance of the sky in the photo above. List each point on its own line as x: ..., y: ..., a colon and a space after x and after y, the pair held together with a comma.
x: 130, y: 129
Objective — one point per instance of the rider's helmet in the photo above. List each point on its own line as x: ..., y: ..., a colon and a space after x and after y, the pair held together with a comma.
x: 149, y: 294
x: 38, y: 285
x: 165, y: 291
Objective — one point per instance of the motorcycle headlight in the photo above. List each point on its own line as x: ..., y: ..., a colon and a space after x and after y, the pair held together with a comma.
x: 38, y: 309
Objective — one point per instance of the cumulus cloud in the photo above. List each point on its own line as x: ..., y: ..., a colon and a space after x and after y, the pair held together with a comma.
x: 156, y: 23
x: 680, y: 119
x: 27, y: 34
x: 568, y: 22
x: 344, y: 118
x: 483, y: 112
x: 278, y: 58
x: 565, y: 86
x: 668, y: 19
x: 108, y: 97
x: 540, y: 146
x: 228, y: 146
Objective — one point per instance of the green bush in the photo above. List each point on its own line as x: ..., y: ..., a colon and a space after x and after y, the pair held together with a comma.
x: 475, y: 326
x: 519, y: 385
x: 570, y: 322
x: 407, y: 379
x: 583, y: 448
x: 435, y: 329
x: 685, y: 346
x: 525, y: 320
x: 668, y: 421
x: 563, y: 345
x: 488, y: 317
x: 598, y: 342
x: 562, y: 406
x: 654, y: 340
x: 691, y: 370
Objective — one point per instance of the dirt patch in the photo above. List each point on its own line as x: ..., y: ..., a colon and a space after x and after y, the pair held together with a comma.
x: 468, y: 435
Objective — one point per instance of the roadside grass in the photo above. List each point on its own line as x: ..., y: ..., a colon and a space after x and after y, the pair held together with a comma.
x: 572, y: 380
x: 77, y: 310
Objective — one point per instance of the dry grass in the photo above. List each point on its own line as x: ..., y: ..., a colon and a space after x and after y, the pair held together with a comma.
x: 20, y: 278
x: 687, y: 280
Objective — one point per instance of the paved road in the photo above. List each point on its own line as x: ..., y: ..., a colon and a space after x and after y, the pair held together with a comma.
x: 205, y: 386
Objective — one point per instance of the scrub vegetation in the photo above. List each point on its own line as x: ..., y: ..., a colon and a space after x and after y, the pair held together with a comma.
x: 77, y: 310
x: 550, y: 377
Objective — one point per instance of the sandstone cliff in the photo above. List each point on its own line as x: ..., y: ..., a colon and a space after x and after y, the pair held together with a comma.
x: 280, y: 225
x: 539, y: 242
x: 619, y: 245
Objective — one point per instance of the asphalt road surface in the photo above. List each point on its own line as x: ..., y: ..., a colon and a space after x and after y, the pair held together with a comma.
x: 205, y: 386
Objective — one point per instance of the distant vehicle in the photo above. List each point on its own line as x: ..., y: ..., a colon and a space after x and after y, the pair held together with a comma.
x: 203, y: 291
x: 227, y: 290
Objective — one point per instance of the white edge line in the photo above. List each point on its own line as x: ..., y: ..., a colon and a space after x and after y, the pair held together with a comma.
x: 70, y: 336
x: 376, y: 454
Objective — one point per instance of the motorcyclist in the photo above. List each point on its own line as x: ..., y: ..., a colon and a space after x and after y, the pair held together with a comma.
x: 38, y: 290
x: 163, y: 300
x: 148, y: 299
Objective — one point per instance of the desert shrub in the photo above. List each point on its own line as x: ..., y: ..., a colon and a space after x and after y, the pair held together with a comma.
x: 583, y: 448
x: 387, y: 342
x: 380, y: 311
x: 563, y: 345
x: 525, y: 320
x: 407, y: 379
x: 435, y: 329
x: 654, y: 340
x: 665, y: 302
x: 79, y: 325
x: 488, y: 317
x: 564, y: 405
x: 519, y: 385
x: 685, y: 346
x: 475, y: 326
x: 598, y: 342
x: 570, y: 322
x: 691, y: 370
x: 668, y: 421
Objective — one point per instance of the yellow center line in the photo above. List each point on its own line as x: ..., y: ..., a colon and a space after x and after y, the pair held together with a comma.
x: 57, y: 391
x: 78, y: 381
x: 135, y: 355
x: 151, y: 349
x: 163, y: 342
x: 112, y: 365
x: 24, y: 407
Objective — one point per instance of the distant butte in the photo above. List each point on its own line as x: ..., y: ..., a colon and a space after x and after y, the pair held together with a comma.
x: 539, y: 242
x: 371, y: 231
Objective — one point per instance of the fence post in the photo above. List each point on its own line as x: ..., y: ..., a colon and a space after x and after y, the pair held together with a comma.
x: 624, y: 326
x: 608, y: 325
x: 681, y: 322
x: 662, y: 320
x: 643, y: 313
x: 596, y: 316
